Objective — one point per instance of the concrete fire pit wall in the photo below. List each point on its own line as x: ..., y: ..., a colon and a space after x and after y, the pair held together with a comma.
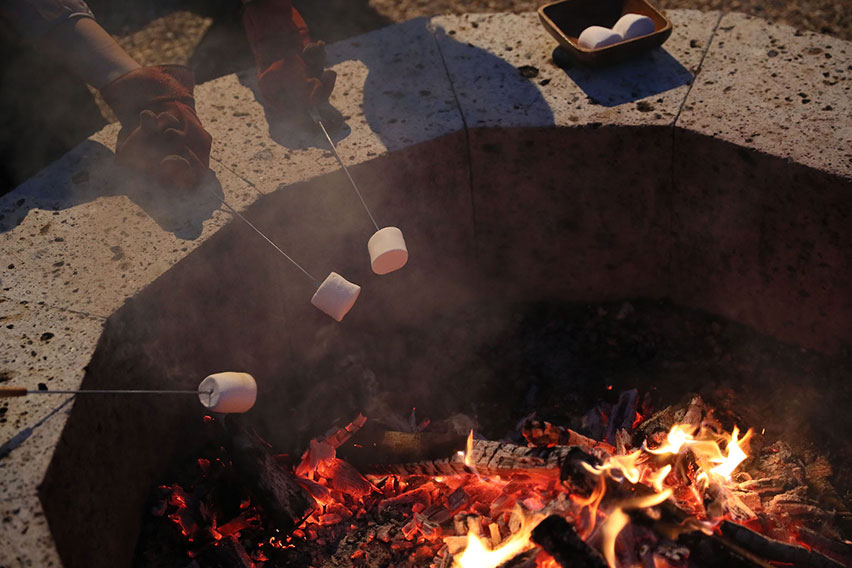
x: 698, y: 173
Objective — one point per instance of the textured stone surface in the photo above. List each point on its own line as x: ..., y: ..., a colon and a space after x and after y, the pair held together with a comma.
x: 84, y: 235
x: 762, y: 241
x: 780, y: 91
x: 25, y: 536
x: 40, y: 346
x: 485, y: 54
x: 25, y: 459
x: 391, y: 89
x: 591, y: 201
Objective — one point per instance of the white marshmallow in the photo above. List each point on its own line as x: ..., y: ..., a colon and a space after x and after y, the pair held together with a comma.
x: 228, y: 392
x: 594, y: 37
x: 336, y: 296
x: 633, y: 25
x: 387, y: 250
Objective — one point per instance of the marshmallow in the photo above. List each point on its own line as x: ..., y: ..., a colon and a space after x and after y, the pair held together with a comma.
x: 228, y: 392
x: 387, y: 250
x: 594, y: 37
x: 633, y: 25
x: 336, y: 296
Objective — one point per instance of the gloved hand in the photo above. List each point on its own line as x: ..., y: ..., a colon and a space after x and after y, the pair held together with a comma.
x: 291, y: 70
x: 160, y: 132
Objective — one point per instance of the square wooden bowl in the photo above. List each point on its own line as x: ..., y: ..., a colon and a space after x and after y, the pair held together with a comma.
x: 566, y: 19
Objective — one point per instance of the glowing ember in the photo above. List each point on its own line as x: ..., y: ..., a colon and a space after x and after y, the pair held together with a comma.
x: 475, y: 518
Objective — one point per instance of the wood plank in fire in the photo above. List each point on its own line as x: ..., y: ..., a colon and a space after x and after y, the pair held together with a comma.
x: 486, y: 458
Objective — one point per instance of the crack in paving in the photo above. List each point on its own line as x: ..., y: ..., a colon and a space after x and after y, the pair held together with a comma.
x: 466, y: 130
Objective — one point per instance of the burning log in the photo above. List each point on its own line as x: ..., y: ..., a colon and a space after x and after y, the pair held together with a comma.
x: 694, y: 414
x: 711, y: 551
x: 775, y: 550
x: 544, y: 434
x: 561, y: 541
x: 226, y: 553
x: 839, y: 550
x: 272, y: 486
x: 623, y: 414
x: 403, y: 453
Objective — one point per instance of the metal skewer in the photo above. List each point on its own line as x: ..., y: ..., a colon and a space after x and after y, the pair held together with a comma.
x: 6, y: 392
x: 316, y: 117
x: 267, y: 239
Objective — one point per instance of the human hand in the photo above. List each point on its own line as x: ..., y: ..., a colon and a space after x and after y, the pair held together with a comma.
x: 161, y: 135
x: 297, y: 83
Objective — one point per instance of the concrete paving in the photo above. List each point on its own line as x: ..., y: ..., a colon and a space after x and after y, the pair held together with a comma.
x: 775, y: 89
x: 473, y: 155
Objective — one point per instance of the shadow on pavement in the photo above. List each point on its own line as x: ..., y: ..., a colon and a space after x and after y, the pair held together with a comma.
x: 650, y: 74
x: 88, y: 173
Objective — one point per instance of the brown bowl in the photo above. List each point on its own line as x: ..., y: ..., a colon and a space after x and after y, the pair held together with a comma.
x: 565, y: 20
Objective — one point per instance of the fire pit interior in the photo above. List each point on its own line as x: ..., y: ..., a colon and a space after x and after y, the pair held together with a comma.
x: 551, y: 273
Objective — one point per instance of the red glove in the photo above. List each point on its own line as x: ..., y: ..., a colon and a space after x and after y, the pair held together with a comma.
x: 290, y: 68
x: 160, y: 132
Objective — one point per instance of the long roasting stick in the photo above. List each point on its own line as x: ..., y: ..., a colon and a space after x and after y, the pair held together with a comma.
x: 316, y: 117
x: 7, y: 392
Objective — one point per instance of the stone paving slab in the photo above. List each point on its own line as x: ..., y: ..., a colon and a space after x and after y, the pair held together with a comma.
x: 84, y: 234
x: 485, y: 54
x: 40, y: 345
x: 25, y: 457
x: 783, y: 92
x: 391, y: 88
x: 26, y: 539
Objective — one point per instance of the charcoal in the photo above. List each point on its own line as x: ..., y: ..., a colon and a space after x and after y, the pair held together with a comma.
x: 560, y: 540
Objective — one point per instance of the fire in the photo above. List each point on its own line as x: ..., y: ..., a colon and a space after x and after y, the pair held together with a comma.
x: 620, y: 467
x: 651, y: 468
x: 478, y: 553
x: 735, y: 456
x: 678, y: 436
x: 479, y: 519
x: 706, y: 449
x: 468, y: 451
x: 618, y: 519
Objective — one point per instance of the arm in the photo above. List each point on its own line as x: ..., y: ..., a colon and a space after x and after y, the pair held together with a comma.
x: 290, y: 67
x: 88, y: 50
x: 161, y: 134
x: 67, y: 30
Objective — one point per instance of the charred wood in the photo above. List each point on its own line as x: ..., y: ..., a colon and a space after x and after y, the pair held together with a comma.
x: 711, y: 551
x: 273, y: 487
x: 840, y: 550
x: 559, y: 539
x: 543, y: 434
x: 693, y: 413
x: 775, y: 550
x: 226, y: 553
x: 523, y: 560
x: 486, y: 458
x: 373, y: 447
x: 623, y: 414
x: 574, y: 473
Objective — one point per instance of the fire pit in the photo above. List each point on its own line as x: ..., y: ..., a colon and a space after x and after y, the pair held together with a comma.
x: 515, y: 189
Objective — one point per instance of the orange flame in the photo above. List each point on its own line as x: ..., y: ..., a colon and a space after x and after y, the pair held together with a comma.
x: 480, y: 554
x: 618, y: 519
